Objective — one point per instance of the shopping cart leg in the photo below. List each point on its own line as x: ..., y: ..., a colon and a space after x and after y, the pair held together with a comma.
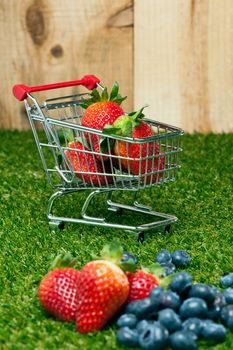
x: 168, y: 228
x: 141, y: 237
x: 55, y: 224
x: 113, y: 206
x: 86, y: 205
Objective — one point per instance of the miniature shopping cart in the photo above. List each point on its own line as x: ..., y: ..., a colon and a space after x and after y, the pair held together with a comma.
x: 61, y: 120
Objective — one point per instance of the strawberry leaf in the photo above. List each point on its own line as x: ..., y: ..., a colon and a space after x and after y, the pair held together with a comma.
x: 62, y: 260
x: 96, y: 95
x: 83, y: 105
x: 155, y: 269
x: 106, y: 144
x: 86, y: 102
x: 127, y: 128
x: 61, y: 136
x: 104, y: 96
x: 83, y: 141
x: 112, y: 252
x: 166, y: 281
x: 70, y: 136
x: 119, y: 99
x: 110, y: 130
x: 65, y: 135
x: 138, y: 114
x: 128, y: 266
x: 114, y: 92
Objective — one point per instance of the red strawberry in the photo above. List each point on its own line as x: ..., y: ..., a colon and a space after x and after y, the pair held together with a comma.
x: 89, y: 169
x: 137, y: 150
x: 103, y: 288
x: 58, y: 290
x: 159, y: 164
x: 101, y: 110
x: 145, y: 159
x: 144, y: 280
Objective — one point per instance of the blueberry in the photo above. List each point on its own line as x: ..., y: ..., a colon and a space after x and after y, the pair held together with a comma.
x: 227, y: 316
x: 214, y: 332
x: 220, y: 300
x: 191, y: 335
x: 127, y: 337
x: 170, y: 300
x: 216, y: 307
x: 203, y: 291
x: 154, y: 336
x: 226, y: 313
x: 143, y: 324
x: 143, y: 308
x: 181, y: 283
x: 182, y: 340
x: 170, y: 320
x: 127, y: 320
x: 163, y: 257
x: 156, y: 293
x: 214, y: 312
x: 169, y: 269
x: 214, y: 289
x: 180, y: 258
x: 228, y: 295
x: 126, y: 257
x: 206, y: 322
x: 226, y: 280
x: 194, y: 325
x: 193, y: 307
x: 132, y: 307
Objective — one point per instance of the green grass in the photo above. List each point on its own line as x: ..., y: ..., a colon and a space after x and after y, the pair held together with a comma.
x: 201, y: 198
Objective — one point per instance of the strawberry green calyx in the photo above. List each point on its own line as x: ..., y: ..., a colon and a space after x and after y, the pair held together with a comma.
x: 124, y: 124
x: 70, y: 136
x: 113, y: 252
x: 128, y: 266
x: 157, y: 270
x: 63, y: 260
x: 83, y: 141
x: 95, y: 96
x: 66, y: 135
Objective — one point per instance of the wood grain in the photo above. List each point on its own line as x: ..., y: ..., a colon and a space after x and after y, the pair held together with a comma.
x: 58, y: 40
x: 175, y: 55
x: 183, y: 62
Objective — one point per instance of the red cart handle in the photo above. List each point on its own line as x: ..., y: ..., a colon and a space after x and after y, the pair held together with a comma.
x: 21, y: 91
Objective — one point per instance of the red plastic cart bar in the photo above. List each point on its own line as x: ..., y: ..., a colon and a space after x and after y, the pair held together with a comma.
x: 21, y: 91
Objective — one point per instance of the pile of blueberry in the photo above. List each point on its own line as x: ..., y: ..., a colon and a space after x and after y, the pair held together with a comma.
x: 171, y: 261
x: 181, y: 315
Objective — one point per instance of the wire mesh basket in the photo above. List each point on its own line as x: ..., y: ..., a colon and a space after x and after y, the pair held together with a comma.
x: 72, y: 163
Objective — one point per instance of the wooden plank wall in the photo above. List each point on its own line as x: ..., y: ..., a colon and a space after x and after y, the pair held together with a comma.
x: 47, y: 41
x: 184, y: 62
x: 175, y: 55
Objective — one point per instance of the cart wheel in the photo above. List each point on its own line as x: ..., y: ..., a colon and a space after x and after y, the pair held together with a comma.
x: 141, y: 237
x: 168, y: 229
x: 56, y: 225
x: 116, y: 210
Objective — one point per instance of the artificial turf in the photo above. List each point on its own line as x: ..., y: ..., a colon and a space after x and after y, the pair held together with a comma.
x: 201, y: 198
